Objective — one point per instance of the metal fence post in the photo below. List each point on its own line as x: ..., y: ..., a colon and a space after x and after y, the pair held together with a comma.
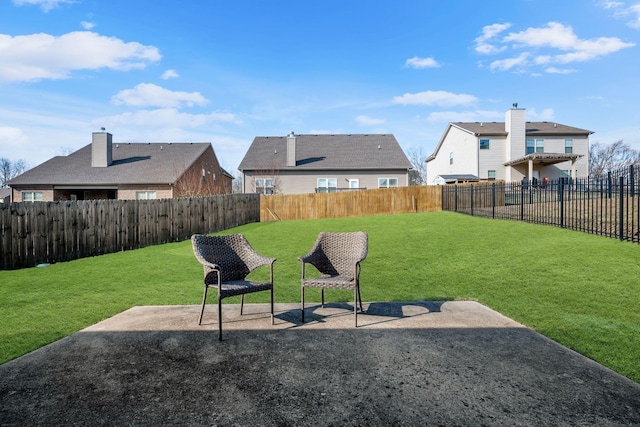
x: 471, y: 197
x: 622, y: 232
x: 561, y: 200
x: 455, y: 198
x: 493, y: 200
x: 522, y: 200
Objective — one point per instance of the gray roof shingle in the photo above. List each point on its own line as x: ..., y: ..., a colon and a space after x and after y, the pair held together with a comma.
x: 531, y: 128
x: 133, y: 163
x: 345, y: 151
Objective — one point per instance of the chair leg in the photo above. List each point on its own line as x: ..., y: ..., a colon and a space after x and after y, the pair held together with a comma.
x: 272, y: 321
x: 355, y: 305
x: 302, y: 302
x: 360, y: 298
x: 219, y: 319
x: 204, y: 300
x: 241, y: 303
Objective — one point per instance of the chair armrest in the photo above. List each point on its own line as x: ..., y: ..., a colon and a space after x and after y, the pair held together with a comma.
x: 209, y: 264
x: 258, y: 260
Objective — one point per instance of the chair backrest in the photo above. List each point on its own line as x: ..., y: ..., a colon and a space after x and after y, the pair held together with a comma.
x: 339, y: 252
x: 232, y: 253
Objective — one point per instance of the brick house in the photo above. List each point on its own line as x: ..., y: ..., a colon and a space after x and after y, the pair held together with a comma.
x: 108, y: 170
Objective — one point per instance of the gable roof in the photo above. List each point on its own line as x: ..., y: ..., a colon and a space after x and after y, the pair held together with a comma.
x: 133, y: 163
x: 346, y: 151
x: 479, y: 129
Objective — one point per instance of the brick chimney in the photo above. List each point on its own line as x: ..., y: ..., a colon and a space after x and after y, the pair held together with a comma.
x: 291, y: 149
x: 101, y: 150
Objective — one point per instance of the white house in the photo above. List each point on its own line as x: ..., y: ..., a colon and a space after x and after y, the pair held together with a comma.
x: 509, y: 151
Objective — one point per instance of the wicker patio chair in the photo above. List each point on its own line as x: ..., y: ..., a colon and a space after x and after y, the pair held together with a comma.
x: 337, y: 257
x: 227, y: 261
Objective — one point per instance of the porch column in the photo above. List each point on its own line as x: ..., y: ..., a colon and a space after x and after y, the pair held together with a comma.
x: 530, y: 176
x: 573, y: 168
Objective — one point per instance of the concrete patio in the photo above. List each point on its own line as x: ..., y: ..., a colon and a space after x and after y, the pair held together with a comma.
x: 414, y: 363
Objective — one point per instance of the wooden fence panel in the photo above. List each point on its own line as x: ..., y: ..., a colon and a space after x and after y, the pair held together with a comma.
x: 33, y: 233
x: 351, y: 203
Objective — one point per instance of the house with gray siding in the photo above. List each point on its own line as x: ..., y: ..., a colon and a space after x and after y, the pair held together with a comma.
x: 323, y: 163
x: 511, y: 151
x: 108, y: 170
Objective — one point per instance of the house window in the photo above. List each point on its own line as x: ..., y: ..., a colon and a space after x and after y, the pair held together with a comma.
x: 327, y: 185
x: 484, y: 144
x: 145, y: 195
x: 451, y: 158
x: 535, y: 146
x: 491, y: 174
x: 264, y: 185
x: 568, y: 146
x: 387, y: 182
x: 31, y: 196
x: 566, y: 173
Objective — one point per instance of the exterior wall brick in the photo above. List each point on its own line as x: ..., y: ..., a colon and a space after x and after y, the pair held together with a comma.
x: 46, y: 190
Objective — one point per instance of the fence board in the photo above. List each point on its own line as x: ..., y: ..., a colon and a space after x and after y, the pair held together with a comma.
x: 350, y: 203
x: 38, y: 232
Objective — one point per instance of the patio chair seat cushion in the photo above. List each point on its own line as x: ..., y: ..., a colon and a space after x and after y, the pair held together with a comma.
x: 239, y: 287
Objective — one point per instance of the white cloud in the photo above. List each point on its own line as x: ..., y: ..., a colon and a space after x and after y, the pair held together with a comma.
x: 509, y: 63
x: 169, y: 74
x: 417, y: 62
x: 45, y: 5
x: 553, y: 43
x: 165, y: 118
x: 87, y: 25
x: 43, y: 56
x: 488, y: 33
x: 363, y: 120
x: 621, y: 11
x: 439, y: 98
x: 150, y: 95
x: 558, y: 36
x: 11, y: 136
x: 554, y: 70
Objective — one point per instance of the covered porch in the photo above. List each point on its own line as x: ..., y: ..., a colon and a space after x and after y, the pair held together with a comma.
x: 536, y: 161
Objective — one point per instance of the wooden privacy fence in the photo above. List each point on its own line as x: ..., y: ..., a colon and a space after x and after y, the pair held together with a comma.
x: 350, y: 203
x: 46, y: 232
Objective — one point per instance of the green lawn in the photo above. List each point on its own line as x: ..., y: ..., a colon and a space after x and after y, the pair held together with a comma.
x: 578, y: 289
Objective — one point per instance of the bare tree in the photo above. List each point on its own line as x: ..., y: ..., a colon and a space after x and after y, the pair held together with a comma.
x: 195, y: 183
x: 604, y: 158
x: 236, y: 185
x: 266, y: 180
x: 9, y: 169
x: 418, y: 175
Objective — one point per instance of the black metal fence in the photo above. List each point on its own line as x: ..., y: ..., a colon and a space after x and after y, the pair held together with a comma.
x: 606, y: 205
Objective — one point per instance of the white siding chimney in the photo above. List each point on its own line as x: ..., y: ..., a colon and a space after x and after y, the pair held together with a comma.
x: 515, y: 126
x: 291, y: 149
x: 101, y: 150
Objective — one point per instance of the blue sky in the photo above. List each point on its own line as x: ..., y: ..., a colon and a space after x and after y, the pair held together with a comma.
x: 227, y: 71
